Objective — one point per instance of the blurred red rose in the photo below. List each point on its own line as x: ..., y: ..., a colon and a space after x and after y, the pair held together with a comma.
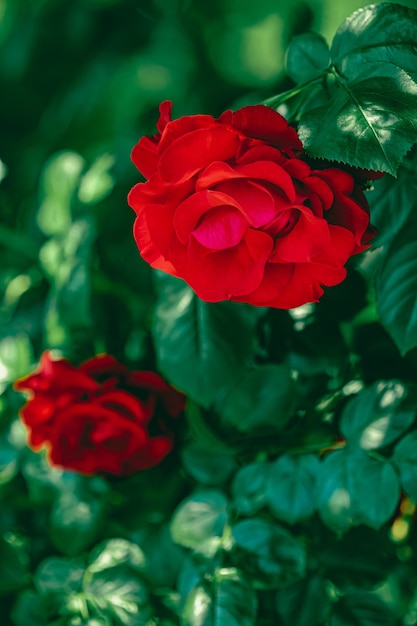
x: 232, y: 207
x: 99, y: 417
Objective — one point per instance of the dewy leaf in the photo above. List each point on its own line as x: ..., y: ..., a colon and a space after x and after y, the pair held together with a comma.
x: 290, y: 487
x: 405, y: 458
x: 199, y: 521
x: 377, y: 416
x: 201, y: 347
x: 269, y: 553
x: 353, y: 488
x: 396, y: 287
x: 379, y: 32
x: 361, y: 609
x: 370, y: 120
x: 307, y: 57
x: 304, y: 604
x: 264, y: 398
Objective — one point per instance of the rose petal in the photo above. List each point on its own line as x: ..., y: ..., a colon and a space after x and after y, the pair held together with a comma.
x: 216, y: 173
x: 183, y: 125
x: 255, y: 201
x: 272, y: 173
x: 156, y: 449
x: 154, y: 237
x: 321, y: 188
x: 262, y: 122
x: 103, y: 365
x: 165, y: 109
x: 347, y: 213
x: 309, y: 236
x: 126, y: 405
x: 58, y: 375
x: 339, y: 180
x: 221, y: 275
x: 189, y: 213
x: 221, y: 228
x: 193, y: 151
x: 145, y: 156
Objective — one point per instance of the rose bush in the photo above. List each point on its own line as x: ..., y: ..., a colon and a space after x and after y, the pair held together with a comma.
x: 99, y: 417
x: 232, y: 207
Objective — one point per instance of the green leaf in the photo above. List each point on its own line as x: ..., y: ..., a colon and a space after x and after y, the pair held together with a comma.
x: 405, y: 458
x: 392, y: 201
x: 13, y: 564
x: 8, y: 459
x: 360, y: 558
x: 353, y: 488
x: 290, y: 487
x: 43, y: 482
x: 370, y: 120
x: 116, y: 552
x: 377, y: 416
x: 201, y: 347
x: 269, y: 553
x: 164, y: 558
x: 76, y: 517
x: 264, y: 398
x: 396, y: 287
x: 304, y: 604
x: 56, y: 574
x: 229, y: 601
x: 249, y: 488
x: 59, y: 181
x: 361, y: 609
x: 31, y: 609
x: 379, y: 32
x: 307, y: 57
x: 97, y: 183
x: 15, y: 358
x: 207, y: 464
x: 199, y: 521
x: 119, y: 592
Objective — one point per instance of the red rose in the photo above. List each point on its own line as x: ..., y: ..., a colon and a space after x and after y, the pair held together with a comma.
x: 231, y: 207
x: 99, y: 417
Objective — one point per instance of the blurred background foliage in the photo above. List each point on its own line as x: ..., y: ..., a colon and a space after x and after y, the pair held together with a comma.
x: 80, y: 83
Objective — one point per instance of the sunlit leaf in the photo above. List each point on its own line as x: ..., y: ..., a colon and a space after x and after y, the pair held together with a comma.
x: 199, y: 521
x: 377, y: 415
x: 353, y: 488
x: 370, y: 120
